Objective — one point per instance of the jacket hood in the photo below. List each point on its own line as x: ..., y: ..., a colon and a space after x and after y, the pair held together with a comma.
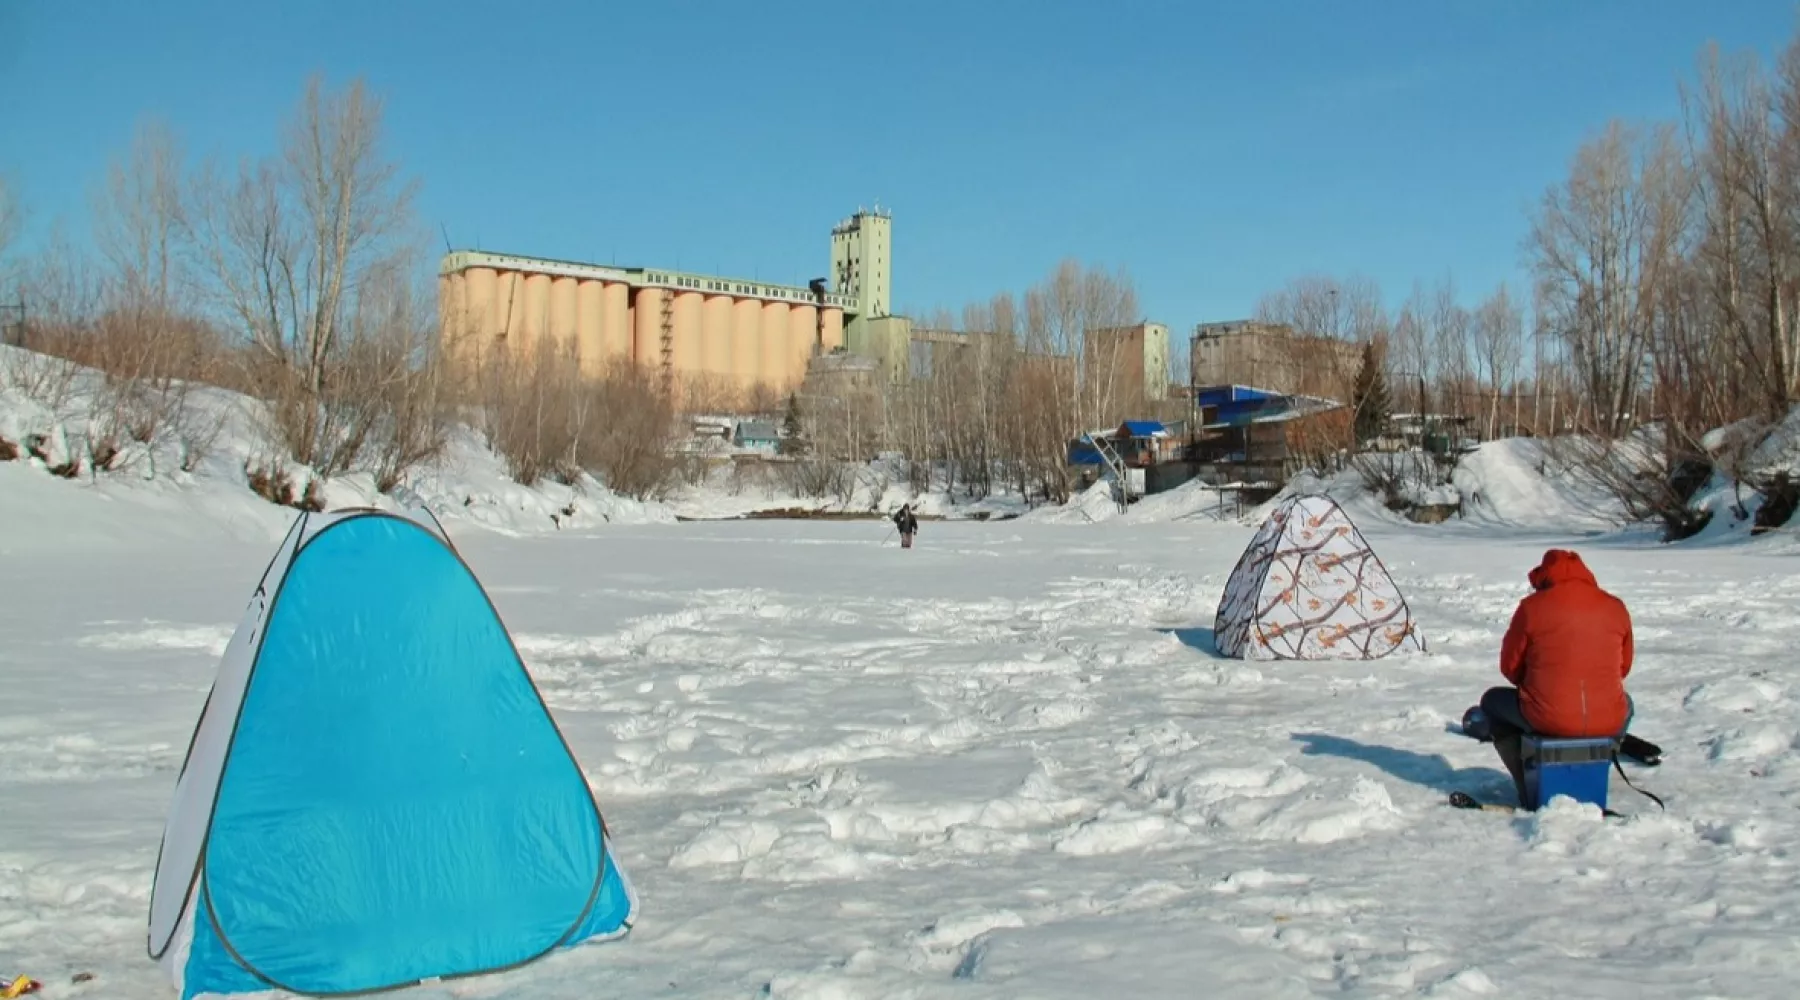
x: 1560, y: 566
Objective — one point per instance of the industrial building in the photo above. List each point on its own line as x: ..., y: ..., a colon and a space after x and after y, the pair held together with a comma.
x: 1272, y: 357
x: 1134, y: 361
x: 692, y: 328
x: 725, y: 340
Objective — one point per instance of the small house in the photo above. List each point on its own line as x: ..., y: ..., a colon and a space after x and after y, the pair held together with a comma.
x: 1143, y: 443
x: 756, y: 435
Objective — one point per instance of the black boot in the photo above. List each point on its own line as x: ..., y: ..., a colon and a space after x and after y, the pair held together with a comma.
x: 1512, y: 755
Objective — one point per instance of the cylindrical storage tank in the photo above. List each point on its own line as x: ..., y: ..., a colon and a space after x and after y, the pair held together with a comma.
x: 802, y: 332
x: 715, y: 333
x: 746, y: 340
x: 590, y: 326
x: 481, y: 308
x: 834, y: 329
x: 647, y: 317
x: 562, y: 311
x: 537, y: 310
x: 772, y: 368
x: 777, y: 355
x: 451, y: 336
x: 458, y: 340
x: 690, y: 346
x: 616, y: 321
x: 510, y: 290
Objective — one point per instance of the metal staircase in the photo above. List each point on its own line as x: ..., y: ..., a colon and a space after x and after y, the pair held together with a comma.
x: 668, y: 341
x: 1115, y: 464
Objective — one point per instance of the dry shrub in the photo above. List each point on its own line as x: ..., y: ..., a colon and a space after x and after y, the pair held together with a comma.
x: 44, y: 379
x: 415, y: 412
x: 1650, y: 474
x: 9, y: 451
x: 819, y: 478
x: 633, y: 430
x: 751, y: 474
x: 146, y: 364
x: 692, y: 470
x: 322, y: 427
x: 1398, y: 476
x: 384, y: 404
x: 708, y: 393
x: 269, y: 479
x: 313, y: 500
x: 534, y: 410
x: 549, y: 421
x: 196, y: 434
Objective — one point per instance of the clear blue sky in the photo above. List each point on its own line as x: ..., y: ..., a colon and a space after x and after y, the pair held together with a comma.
x: 1213, y: 149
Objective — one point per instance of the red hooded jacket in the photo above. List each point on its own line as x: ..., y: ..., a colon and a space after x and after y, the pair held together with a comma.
x: 1569, y: 650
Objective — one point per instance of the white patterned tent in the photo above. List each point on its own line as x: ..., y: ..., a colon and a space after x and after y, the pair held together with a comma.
x: 1308, y: 587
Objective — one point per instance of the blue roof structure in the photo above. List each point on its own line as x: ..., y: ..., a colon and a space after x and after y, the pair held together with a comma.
x: 1220, y: 395
x: 1144, y: 428
x: 1240, y: 406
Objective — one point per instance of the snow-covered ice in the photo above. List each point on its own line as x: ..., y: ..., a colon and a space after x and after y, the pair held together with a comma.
x: 1003, y: 764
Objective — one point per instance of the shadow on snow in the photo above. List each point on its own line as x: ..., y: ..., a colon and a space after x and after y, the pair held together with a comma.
x: 1430, y: 770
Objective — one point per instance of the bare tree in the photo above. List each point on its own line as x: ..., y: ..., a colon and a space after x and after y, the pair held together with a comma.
x: 140, y: 223
x: 1326, y: 311
x: 291, y: 245
x: 1410, y: 352
x: 63, y: 295
x: 1746, y: 157
x: 1602, y: 242
x: 151, y: 346
x: 1350, y: 309
x: 1062, y: 388
x: 1448, y: 334
x: 414, y: 389
x: 1499, y: 339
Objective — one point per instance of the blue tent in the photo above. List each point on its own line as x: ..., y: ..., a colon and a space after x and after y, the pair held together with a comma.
x: 376, y: 794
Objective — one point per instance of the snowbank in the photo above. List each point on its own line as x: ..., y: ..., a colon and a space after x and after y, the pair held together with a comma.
x: 1191, y: 501
x: 469, y: 483
x: 1090, y: 506
x: 1513, y: 483
x: 199, y: 465
x: 1519, y: 481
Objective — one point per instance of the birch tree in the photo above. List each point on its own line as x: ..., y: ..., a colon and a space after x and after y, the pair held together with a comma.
x: 1746, y: 159
x: 1498, y: 338
x: 1601, y: 243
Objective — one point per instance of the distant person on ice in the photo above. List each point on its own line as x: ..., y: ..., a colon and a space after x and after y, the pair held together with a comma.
x: 906, y: 524
x: 1567, y: 651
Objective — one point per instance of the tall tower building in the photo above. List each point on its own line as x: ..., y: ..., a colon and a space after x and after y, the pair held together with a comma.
x: 862, y: 270
x: 862, y: 261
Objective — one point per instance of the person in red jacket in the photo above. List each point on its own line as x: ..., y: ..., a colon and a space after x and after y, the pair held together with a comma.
x: 1568, y: 652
